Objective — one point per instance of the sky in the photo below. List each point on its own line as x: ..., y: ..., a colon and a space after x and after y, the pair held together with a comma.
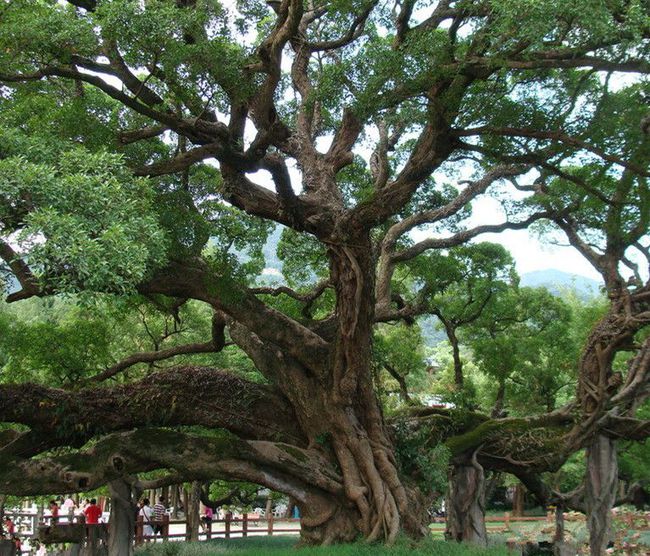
x: 529, y: 251
x: 530, y: 254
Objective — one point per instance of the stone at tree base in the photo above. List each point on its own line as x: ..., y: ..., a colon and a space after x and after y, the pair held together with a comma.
x: 537, y: 548
x: 563, y: 548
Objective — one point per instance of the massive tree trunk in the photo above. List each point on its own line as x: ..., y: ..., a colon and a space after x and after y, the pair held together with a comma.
x: 123, y: 509
x: 600, y: 492
x: 376, y: 504
x: 466, y: 503
x: 597, y: 385
x: 338, y: 412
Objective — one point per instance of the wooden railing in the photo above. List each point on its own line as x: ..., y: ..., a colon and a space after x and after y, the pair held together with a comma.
x: 248, y: 524
x: 252, y: 524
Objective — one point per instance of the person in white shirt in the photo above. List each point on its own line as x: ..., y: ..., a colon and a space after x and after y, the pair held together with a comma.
x: 147, y: 517
x: 67, y: 508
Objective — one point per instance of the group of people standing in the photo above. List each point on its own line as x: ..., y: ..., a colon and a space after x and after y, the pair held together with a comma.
x: 152, y: 517
x: 89, y: 509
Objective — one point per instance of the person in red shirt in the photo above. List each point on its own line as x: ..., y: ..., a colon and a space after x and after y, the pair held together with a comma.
x: 54, y: 510
x: 93, y: 512
x: 9, y: 526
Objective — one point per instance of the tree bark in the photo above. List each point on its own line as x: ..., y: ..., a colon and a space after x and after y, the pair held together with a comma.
x: 338, y: 411
x: 191, y: 395
x: 359, y: 437
x: 192, y: 513
x: 175, y: 499
x: 455, y: 346
x: 466, y: 503
x: 600, y: 492
x: 123, y: 509
x: 518, y: 500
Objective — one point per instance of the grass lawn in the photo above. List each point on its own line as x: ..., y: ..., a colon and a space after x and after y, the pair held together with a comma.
x: 277, y: 546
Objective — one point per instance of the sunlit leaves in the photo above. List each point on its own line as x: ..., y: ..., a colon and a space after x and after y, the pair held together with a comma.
x: 43, y: 31
x: 523, y: 343
x: 89, y: 223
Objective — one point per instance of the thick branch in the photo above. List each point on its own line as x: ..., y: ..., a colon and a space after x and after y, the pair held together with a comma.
x: 197, y: 281
x: 178, y: 396
x: 179, y: 162
x: 21, y: 271
x: 194, y: 457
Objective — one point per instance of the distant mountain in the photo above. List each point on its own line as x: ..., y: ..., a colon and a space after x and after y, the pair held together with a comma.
x: 432, y: 333
x: 556, y: 281
x: 270, y: 248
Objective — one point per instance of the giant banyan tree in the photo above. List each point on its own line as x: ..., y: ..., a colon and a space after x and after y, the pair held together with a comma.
x: 142, y: 141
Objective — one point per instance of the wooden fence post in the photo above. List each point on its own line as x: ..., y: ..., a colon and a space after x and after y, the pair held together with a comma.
x: 165, y: 527
x: 270, y: 524
x: 208, y: 529
x: 244, y: 526
x: 506, y: 519
x: 228, y: 521
x: 139, y: 530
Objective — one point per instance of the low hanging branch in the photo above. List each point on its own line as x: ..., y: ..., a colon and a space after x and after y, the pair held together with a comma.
x: 194, y: 457
x: 152, y: 356
x: 178, y: 396
x: 217, y: 343
x: 234, y: 496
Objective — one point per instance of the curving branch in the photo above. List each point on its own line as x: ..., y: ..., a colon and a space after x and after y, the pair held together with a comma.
x: 387, y: 258
x: 118, y: 68
x: 625, y: 428
x: 216, y: 344
x: 180, y: 162
x: 559, y: 136
x: 307, y: 298
x: 178, y: 396
x: 465, y: 235
x: 637, y: 380
x: 354, y: 32
x: 132, y: 136
x: 192, y: 456
x: 152, y: 356
x: 22, y: 272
